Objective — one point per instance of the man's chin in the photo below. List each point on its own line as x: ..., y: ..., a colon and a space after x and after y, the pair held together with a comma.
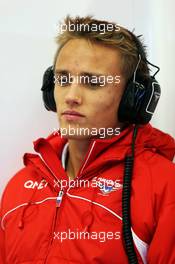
x: 74, y: 132
x: 76, y: 137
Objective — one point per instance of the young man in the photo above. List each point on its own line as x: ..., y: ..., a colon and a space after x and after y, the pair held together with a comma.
x: 67, y: 205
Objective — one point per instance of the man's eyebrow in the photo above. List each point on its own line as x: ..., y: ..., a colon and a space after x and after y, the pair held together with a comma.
x: 57, y: 71
x: 89, y: 74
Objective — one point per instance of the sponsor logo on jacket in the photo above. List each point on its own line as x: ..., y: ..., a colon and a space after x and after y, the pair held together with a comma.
x: 107, y: 186
x: 34, y: 184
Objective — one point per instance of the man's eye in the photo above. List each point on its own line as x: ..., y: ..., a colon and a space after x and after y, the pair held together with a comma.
x: 90, y: 81
x: 61, y: 80
x: 95, y: 82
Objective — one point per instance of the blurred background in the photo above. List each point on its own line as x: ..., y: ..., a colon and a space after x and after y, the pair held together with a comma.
x: 27, y: 47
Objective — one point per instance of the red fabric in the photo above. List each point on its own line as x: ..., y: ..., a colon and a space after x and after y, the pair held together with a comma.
x: 32, y: 220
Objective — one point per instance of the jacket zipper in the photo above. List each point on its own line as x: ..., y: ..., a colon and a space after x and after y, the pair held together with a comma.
x: 58, y: 204
x: 60, y: 197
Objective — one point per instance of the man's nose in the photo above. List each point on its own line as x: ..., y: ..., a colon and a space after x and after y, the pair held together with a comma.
x: 73, y: 95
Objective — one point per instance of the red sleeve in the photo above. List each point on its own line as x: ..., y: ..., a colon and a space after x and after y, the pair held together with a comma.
x: 162, y: 246
x: 2, y: 245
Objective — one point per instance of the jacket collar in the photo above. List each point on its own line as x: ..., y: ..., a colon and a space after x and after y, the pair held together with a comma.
x: 100, y: 151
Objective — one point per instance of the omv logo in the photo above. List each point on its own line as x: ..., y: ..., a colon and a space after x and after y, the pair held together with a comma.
x: 35, y: 184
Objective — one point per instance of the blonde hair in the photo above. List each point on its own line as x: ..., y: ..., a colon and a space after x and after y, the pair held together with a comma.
x: 117, y: 37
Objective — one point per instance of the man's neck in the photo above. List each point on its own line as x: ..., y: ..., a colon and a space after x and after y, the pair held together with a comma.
x: 77, y: 152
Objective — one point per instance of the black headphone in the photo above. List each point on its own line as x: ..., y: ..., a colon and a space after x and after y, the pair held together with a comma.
x: 138, y: 102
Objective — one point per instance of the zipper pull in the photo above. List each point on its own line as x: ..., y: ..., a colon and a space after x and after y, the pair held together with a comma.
x: 59, y: 198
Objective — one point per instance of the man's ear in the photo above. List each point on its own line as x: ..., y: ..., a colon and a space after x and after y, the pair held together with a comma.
x: 48, y: 89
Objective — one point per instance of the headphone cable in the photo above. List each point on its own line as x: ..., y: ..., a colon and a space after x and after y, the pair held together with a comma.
x: 128, y: 170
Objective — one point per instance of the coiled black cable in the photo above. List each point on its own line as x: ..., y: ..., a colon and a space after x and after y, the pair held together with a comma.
x: 127, y: 234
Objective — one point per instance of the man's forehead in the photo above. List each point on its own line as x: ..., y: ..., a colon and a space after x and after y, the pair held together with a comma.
x: 80, y: 55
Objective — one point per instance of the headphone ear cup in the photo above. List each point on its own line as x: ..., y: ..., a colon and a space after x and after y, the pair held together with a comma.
x: 127, y: 107
x: 138, y: 102
x: 151, y: 98
x: 48, y: 90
